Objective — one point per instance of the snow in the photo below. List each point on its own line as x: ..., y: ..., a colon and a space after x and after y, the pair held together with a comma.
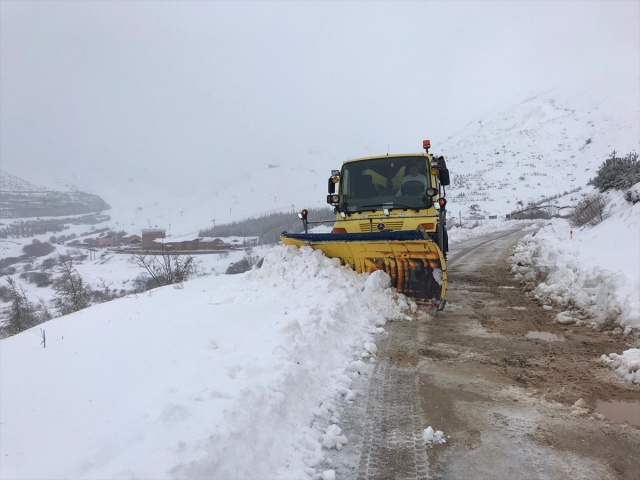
x: 430, y: 437
x: 333, y: 437
x: 222, y: 377
x: 482, y: 227
x: 592, y: 272
x: 589, y: 270
x: 547, y: 145
x: 242, y: 376
x: 626, y: 365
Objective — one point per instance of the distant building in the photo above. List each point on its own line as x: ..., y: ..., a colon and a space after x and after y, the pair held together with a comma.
x: 132, y: 240
x: 108, y: 241
x: 208, y: 243
x: 156, y: 239
x: 151, y: 234
x: 185, y: 244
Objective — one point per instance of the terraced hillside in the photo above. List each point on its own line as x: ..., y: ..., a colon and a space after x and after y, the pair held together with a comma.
x: 49, y: 204
x: 21, y: 199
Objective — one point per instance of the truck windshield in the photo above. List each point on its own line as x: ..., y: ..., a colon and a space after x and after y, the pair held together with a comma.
x: 395, y: 182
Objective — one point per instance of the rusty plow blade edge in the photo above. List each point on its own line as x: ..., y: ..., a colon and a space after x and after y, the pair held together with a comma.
x: 417, y: 268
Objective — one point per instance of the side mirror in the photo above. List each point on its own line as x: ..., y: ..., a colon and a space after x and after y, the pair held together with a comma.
x: 443, y: 176
x: 332, y: 186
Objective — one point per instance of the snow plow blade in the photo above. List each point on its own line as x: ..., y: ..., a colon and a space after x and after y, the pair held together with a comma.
x: 416, y: 265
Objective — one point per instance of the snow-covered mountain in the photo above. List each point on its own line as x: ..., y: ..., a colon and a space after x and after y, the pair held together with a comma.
x: 548, y: 145
x: 11, y: 183
x: 545, y: 146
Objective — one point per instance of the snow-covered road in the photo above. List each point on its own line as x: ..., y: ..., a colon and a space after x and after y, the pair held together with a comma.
x: 504, y: 397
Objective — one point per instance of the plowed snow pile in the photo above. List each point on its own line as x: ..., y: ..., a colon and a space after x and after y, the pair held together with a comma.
x: 626, y: 365
x: 227, y: 377
x: 594, y: 272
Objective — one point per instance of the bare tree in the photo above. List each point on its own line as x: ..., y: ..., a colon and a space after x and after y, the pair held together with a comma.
x: 103, y: 292
x: 165, y: 268
x: 590, y: 211
x: 44, y: 313
x: 246, y: 264
x: 72, y: 294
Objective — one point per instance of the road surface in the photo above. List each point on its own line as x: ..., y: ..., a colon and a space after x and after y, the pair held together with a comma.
x: 499, y: 378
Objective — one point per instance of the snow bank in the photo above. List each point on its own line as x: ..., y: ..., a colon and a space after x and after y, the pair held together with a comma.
x: 229, y: 376
x: 331, y: 313
x: 590, y: 270
x: 565, y: 271
x: 626, y: 365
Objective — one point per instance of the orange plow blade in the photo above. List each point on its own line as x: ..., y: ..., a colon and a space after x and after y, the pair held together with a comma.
x: 416, y: 267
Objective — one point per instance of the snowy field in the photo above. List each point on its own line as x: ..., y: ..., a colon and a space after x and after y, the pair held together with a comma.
x: 117, y: 271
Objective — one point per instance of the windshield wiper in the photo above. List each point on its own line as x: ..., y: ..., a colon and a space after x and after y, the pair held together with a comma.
x: 387, y: 206
x: 401, y: 205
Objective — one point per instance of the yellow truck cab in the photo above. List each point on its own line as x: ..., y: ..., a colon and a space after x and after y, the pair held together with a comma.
x: 390, y: 215
x: 389, y: 193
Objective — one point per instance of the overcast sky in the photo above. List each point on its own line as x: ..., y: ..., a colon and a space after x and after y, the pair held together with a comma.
x: 211, y: 84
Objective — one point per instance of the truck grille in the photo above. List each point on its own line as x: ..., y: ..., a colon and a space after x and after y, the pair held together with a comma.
x: 388, y: 225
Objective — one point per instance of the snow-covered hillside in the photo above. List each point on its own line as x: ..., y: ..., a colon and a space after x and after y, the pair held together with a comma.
x: 10, y: 183
x: 547, y: 145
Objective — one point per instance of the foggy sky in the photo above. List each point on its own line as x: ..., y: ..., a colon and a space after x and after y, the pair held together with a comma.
x: 209, y: 86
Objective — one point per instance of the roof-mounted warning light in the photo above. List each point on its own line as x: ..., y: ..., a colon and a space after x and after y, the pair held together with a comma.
x: 426, y: 144
x: 303, y: 216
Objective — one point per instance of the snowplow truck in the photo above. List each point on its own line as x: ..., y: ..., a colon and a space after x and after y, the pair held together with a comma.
x: 391, y: 216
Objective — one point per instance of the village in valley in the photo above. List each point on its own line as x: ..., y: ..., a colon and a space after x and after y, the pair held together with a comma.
x: 155, y: 239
